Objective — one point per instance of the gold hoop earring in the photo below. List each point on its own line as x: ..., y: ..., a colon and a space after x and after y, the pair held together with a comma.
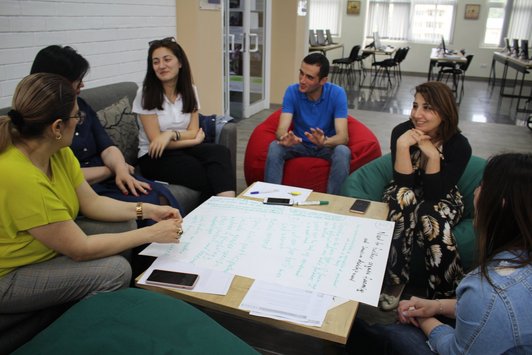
x: 59, y: 137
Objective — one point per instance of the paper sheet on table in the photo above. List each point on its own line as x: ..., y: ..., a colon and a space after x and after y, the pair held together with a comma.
x: 264, y: 189
x: 334, y: 254
x: 265, y: 299
x: 210, y: 281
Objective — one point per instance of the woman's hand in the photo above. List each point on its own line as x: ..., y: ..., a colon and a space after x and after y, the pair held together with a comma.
x: 200, y: 136
x: 158, y: 145
x: 127, y: 183
x: 416, y: 307
x: 160, y: 213
x: 167, y: 231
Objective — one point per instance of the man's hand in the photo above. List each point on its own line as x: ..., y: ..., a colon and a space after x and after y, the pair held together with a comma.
x: 316, y: 136
x: 289, y: 139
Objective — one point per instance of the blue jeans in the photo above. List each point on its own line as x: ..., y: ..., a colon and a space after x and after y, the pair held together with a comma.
x: 390, y: 339
x: 339, y: 157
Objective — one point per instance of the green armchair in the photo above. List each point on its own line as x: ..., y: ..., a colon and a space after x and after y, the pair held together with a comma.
x: 369, y: 181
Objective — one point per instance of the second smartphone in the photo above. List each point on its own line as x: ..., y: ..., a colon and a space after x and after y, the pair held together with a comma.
x: 360, y: 206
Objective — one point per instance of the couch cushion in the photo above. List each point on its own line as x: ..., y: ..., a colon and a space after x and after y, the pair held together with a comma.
x: 134, y: 321
x: 122, y: 126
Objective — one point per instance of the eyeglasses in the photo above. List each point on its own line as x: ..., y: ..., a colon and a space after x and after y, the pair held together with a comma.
x: 80, y: 116
x: 161, y: 41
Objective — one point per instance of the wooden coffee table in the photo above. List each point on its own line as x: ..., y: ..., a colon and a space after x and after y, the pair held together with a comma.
x: 338, y: 321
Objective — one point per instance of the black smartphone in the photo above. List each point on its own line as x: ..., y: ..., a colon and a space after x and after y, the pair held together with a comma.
x: 360, y: 206
x: 278, y: 201
x: 172, y: 279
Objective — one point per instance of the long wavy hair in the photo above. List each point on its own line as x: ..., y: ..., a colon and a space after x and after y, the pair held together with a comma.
x: 38, y: 101
x: 440, y: 97
x: 503, y: 215
x: 152, y: 88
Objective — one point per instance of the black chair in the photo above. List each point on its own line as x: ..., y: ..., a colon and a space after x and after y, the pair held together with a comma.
x: 384, y: 66
x: 458, y: 74
x: 402, y: 57
x: 345, y: 66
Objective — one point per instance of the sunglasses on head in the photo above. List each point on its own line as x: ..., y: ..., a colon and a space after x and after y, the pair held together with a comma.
x: 161, y: 41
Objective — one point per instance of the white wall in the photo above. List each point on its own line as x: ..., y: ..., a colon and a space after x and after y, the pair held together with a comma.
x: 112, y: 35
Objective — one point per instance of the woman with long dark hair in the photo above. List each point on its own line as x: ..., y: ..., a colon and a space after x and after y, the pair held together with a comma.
x: 429, y: 155
x: 170, y: 138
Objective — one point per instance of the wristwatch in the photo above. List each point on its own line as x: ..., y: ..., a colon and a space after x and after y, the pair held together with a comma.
x: 138, y: 210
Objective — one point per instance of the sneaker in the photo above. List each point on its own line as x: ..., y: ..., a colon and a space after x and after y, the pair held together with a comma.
x: 390, y: 297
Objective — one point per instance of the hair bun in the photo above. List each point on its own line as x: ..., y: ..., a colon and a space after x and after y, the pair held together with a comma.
x: 16, y: 118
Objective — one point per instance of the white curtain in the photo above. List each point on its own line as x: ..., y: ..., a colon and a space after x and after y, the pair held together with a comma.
x: 521, y: 20
x: 413, y: 20
x: 325, y: 15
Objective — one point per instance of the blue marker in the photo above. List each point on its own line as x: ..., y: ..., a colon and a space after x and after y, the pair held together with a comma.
x: 262, y: 192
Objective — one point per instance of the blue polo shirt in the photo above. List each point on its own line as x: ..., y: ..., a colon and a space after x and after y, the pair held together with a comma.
x: 321, y: 113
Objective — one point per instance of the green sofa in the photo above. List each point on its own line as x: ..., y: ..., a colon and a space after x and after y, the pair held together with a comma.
x: 134, y: 321
x: 369, y: 181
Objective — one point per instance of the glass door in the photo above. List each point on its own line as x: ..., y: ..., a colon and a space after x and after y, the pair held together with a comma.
x: 246, y: 57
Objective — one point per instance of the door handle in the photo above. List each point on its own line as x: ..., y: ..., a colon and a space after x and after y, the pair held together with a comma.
x: 256, y: 47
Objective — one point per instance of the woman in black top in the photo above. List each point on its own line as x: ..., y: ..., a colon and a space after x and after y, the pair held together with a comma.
x: 429, y: 155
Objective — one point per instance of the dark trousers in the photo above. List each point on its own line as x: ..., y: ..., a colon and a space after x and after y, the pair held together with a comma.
x: 205, y: 167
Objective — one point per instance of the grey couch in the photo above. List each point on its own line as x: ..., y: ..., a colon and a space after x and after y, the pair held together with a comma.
x: 102, y: 97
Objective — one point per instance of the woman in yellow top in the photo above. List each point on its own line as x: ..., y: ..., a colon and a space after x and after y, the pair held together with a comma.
x: 45, y: 258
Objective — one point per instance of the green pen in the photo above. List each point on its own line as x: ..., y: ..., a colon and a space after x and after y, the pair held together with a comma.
x: 312, y: 203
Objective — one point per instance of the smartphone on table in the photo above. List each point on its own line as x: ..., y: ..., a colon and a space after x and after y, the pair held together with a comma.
x: 172, y: 279
x: 278, y: 201
x: 360, y: 206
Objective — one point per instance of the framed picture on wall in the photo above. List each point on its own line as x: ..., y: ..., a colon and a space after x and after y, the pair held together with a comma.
x: 472, y: 12
x: 353, y: 7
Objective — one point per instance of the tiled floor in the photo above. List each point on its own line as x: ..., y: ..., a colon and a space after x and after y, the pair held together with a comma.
x: 480, y: 102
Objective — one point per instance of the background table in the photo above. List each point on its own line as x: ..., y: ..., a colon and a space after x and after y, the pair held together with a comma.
x: 338, y: 321
x: 326, y: 48
x: 520, y: 66
x: 437, y: 57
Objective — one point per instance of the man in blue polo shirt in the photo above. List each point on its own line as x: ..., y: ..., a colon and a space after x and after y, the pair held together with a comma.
x: 319, y: 112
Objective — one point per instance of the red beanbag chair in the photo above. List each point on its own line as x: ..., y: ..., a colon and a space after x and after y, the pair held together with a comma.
x: 310, y: 173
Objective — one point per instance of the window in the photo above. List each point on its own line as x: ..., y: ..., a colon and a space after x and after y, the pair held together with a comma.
x: 326, y: 15
x: 430, y: 19
x: 508, y: 18
x: 494, y: 23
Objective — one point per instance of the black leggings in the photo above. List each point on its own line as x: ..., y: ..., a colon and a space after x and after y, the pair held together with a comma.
x: 205, y: 167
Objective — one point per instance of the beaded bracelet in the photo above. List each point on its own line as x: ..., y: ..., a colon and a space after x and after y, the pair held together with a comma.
x: 440, y: 311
